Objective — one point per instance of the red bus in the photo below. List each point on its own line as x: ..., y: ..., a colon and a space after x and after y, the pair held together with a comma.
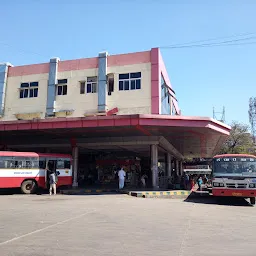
x: 27, y: 170
x: 234, y: 175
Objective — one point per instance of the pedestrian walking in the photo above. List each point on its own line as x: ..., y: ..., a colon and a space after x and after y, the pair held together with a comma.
x: 53, y: 182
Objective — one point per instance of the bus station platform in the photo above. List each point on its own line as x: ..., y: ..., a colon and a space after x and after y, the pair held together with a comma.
x: 135, y: 193
x: 83, y: 191
x: 144, y: 144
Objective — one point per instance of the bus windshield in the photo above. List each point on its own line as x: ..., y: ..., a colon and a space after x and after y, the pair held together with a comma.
x: 234, y: 166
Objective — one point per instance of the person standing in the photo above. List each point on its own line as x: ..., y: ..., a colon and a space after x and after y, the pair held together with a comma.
x: 200, y: 183
x: 143, y: 180
x: 186, y: 180
x: 53, y: 182
x: 205, y: 180
x: 121, y: 176
x: 192, y: 182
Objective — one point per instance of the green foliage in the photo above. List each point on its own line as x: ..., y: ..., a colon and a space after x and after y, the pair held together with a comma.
x: 240, y: 140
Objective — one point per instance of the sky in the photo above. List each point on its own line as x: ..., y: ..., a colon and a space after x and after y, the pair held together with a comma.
x: 33, y: 31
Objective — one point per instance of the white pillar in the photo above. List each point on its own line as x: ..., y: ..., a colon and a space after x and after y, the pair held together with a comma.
x: 169, y: 165
x: 154, y: 166
x: 177, y: 167
x: 75, y: 166
x: 181, y: 168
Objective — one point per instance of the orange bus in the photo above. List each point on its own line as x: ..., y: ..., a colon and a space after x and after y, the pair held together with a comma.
x: 234, y: 175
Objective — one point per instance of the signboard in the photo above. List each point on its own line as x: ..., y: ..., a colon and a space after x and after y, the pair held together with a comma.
x: 235, y: 159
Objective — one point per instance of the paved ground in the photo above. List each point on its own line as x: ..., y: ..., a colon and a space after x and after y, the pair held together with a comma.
x: 123, y: 225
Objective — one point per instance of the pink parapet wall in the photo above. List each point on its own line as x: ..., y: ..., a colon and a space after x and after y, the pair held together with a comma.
x: 158, y: 69
x: 113, y: 60
x: 42, y: 68
x: 129, y: 59
x: 80, y: 64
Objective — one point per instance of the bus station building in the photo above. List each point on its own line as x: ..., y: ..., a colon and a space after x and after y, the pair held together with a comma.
x: 107, y: 111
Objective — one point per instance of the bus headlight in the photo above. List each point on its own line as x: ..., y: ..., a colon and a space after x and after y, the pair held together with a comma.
x: 251, y: 185
x: 216, y: 184
x: 221, y: 184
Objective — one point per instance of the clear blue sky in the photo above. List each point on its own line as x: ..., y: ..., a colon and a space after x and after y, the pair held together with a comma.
x: 32, y: 31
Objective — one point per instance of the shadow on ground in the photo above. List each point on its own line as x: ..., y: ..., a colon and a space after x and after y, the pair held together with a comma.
x: 17, y: 191
x: 9, y: 191
x: 229, y: 201
x: 45, y: 192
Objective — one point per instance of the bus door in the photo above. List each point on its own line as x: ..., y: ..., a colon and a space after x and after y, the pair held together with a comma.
x: 51, y: 164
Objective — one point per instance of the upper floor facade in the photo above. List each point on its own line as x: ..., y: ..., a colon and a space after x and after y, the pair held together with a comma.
x: 133, y: 83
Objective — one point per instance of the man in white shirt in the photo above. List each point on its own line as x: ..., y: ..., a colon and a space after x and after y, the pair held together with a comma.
x: 121, y: 175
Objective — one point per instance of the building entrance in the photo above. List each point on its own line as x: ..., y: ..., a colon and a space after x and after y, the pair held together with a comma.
x: 95, y: 171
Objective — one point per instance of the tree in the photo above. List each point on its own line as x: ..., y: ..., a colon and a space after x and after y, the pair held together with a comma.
x: 240, y: 140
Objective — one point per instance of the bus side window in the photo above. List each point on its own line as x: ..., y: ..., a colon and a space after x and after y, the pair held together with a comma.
x: 35, y: 164
x: 9, y: 164
x: 67, y: 164
x: 28, y: 164
x: 42, y: 164
x: 60, y: 164
x: 18, y: 164
x: 2, y: 162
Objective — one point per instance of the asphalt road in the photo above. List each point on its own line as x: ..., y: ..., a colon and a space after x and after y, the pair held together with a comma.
x: 122, y: 225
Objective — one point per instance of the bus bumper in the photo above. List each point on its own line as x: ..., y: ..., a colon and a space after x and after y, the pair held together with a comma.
x: 234, y: 192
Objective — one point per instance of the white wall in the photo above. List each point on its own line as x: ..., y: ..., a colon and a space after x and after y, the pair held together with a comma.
x: 15, y: 105
x: 128, y: 102
x: 133, y: 101
x: 80, y: 103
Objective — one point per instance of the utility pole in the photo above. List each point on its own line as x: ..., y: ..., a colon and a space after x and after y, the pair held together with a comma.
x: 220, y: 116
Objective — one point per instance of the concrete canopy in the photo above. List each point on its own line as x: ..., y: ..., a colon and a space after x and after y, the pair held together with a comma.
x: 190, y: 136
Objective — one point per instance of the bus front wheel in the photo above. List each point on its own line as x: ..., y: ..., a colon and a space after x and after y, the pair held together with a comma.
x: 28, y: 187
x: 252, y: 200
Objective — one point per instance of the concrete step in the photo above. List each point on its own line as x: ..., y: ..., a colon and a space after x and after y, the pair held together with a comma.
x: 161, y: 194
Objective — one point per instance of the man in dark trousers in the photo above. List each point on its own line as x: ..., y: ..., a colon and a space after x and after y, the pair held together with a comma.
x: 52, y: 178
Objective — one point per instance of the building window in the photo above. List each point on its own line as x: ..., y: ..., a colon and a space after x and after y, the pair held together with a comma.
x: 130, y: 81
x: 82, y: 87
x: 165, y: 98
x: 91, y: 84
x: 62, y: 88
x: 29, y: 90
